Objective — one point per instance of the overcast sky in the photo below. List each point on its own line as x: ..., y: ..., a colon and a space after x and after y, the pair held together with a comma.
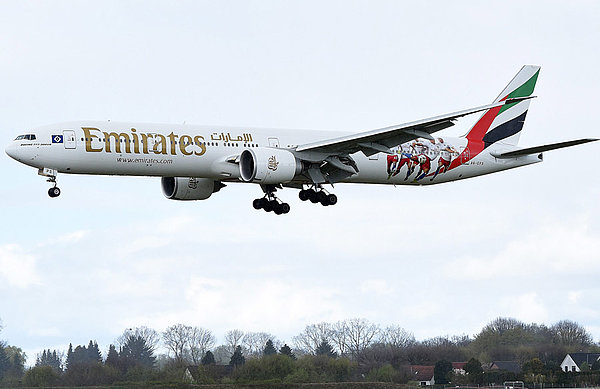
x: 112, y: 253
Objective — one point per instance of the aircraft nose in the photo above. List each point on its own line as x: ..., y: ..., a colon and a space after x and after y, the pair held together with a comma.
x: 11, y: 150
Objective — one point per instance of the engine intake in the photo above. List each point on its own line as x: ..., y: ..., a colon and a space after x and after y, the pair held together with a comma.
x: 268, y: 166
x: 182, y: 188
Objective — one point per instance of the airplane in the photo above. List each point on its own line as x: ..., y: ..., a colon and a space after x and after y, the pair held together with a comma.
x: 196, y: 161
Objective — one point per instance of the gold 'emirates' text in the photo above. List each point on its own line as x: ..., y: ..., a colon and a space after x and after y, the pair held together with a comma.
x: 149, y: 143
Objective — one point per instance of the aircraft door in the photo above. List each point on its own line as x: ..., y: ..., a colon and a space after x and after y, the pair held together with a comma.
x: 69, y: 139
x: 273, y: 142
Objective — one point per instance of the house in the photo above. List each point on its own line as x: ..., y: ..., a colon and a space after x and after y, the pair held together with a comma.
x: 512, y: 366
x: 459, y: 367
x: 573, y: 361
x: 198, y: 374
x: 423, y: 374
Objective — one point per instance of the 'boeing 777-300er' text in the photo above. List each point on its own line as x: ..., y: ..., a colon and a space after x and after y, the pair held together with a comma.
x: 196, y: 161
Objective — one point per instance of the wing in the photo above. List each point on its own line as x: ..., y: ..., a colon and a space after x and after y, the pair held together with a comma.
x: 330, y: 161
x: 381, y: 140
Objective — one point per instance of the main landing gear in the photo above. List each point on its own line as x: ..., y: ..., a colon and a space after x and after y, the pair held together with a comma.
x: 271, y: 203
x: 318, y: 195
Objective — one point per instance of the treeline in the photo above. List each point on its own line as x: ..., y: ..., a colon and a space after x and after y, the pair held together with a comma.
x: 348, y: 350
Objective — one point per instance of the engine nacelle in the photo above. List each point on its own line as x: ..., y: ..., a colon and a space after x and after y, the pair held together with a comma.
x: 268, y: 166
x: 182, y: 188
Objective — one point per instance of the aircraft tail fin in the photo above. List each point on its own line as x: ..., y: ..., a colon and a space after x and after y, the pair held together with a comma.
x: 505, y: 123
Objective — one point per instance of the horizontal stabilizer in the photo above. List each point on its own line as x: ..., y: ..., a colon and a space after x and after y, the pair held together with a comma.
x: 539, y: 149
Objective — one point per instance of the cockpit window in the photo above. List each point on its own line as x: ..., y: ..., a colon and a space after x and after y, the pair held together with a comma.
x: 27, y: 137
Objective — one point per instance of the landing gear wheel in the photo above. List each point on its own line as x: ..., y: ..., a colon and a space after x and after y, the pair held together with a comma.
x: 277, y: 209
x: 312, y: 196
x: 285, y: 207
x: 257, y: 204
x: 264, y: 202
x: 269, y: 205
x: 303, y: 195
x: 321, y: 197
x: 54, y: 192
x: 331, y: 199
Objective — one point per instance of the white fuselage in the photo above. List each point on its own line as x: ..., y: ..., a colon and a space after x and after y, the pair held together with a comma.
x: 133, y: 149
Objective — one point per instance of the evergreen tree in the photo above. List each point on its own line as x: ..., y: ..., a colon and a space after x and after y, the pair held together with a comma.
x: 269, y: 348
x: 49, y: 358
x: 237, y: 359
x: 325, y: 349
x: 473, y: 367
x: 93, y: 353
x: 137, y: 351
x: 112, y: 359
x: 208, y: 358
x: 69, y: 356
x: 286, y: 350
x: 80, y: 356
x: 441, y: 370
x: 4, y: 361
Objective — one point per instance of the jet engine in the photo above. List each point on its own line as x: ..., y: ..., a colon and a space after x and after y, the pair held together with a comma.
x: 182, y: 188
x: 268, y: 166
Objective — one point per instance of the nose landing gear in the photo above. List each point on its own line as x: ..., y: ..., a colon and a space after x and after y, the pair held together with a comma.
x: 317, y: 194
x: 51, y: 174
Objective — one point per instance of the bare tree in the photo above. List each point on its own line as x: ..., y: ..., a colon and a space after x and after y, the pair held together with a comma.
x: 312, y: 336
x: 397, y: 337
x: 201, y: 340
x: 233, y: 339
x: 222, y: 355
x: 254, y: 342
x: 177, y: 339
x: 570, y: 333
x: 359, y: 335
x: 339, y: 336
x: 501, y: 325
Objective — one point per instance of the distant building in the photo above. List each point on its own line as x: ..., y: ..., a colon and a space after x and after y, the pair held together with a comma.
x: 459, y: 367
x: 573, y: 361
x: 423, y: 374
x: 196, y: 374
x: 512, y: 366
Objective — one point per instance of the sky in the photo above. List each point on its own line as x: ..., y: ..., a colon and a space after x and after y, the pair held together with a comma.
x: 112, y: 253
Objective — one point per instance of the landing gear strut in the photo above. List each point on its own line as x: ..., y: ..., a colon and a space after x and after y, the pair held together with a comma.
x: 317, y: 194
x: 270, y: 202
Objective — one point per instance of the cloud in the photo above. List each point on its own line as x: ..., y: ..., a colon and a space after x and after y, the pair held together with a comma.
x: 17, y: 267
x: 563, y: 248
x: 378, y: 287
x: 72, y: 237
